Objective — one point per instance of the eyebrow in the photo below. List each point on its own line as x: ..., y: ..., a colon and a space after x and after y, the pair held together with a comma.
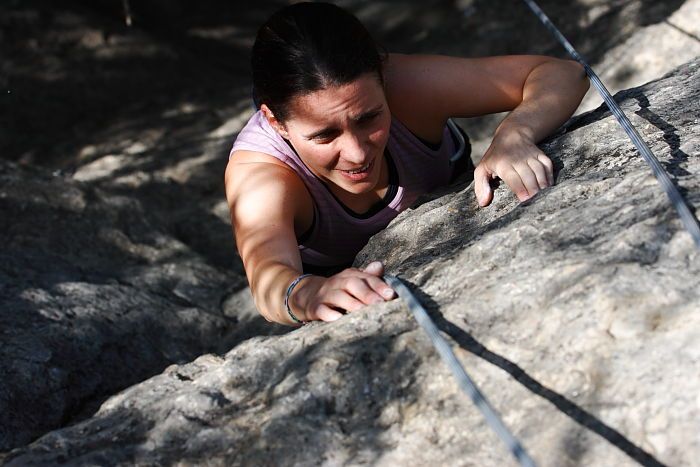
x: 330, y: 129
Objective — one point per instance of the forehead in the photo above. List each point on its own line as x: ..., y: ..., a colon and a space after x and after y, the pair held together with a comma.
x: 338, y: 102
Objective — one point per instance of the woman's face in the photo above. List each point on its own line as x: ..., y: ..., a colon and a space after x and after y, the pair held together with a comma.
x: 340, y: 133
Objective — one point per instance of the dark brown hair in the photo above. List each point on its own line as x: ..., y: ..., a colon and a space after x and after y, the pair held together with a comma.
x: 307, y: 47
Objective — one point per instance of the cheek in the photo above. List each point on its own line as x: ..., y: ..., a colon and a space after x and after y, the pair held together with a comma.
x: 380, y: 134
x: 313, y: 155
x: 320, y: 156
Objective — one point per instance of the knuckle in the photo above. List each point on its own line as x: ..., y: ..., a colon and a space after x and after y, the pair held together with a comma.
x: 506, y: 174
x: 374, y: 292
x: 369, y: 297
x: 535, y: 164
x: 503, y: 168
x: 355, y: 282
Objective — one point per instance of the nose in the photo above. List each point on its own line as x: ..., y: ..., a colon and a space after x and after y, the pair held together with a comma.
x: 355, y: 149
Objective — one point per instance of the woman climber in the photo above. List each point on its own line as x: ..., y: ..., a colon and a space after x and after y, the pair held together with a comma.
x: 346, y: 138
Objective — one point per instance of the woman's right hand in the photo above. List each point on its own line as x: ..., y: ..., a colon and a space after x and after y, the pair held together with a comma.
x: 327, y: 299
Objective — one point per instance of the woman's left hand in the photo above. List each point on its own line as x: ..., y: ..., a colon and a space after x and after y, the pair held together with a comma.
x: 516, y: 160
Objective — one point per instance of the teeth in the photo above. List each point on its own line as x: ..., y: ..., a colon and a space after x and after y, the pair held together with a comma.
x: 361, y: 169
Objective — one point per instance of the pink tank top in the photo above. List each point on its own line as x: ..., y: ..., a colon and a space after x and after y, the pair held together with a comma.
x: 337, y: 233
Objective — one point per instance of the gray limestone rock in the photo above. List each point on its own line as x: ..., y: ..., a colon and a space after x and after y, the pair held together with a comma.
x: 95, y: 297
x: 649, y: 52
x: 575, y: 312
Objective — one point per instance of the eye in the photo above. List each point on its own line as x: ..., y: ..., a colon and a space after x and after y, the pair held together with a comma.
x: 325, y: 138
x: 368, y: 118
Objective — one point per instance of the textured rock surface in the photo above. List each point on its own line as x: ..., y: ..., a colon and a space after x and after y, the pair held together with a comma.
x: 106, y: 281
x: 649, y: 52
x: 575, y: 312
x: 94, y: 297
x: 626, y: 43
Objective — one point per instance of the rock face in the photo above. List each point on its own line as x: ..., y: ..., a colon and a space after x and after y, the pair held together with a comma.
x: 94, y: 297
x: 649, y: 52
x: 575, y: 312
x: 626, y: 43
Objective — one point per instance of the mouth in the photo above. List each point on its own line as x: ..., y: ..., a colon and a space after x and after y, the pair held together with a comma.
x: 364, y: 168
x: 360, y: 173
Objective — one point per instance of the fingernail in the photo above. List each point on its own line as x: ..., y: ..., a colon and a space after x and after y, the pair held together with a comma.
x: 388, y: 293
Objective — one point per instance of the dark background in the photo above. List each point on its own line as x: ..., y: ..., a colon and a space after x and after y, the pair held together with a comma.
x: 72, y: 73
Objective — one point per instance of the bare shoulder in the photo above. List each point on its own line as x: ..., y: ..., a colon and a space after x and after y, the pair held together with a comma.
x: 242, y: 165
x: 262, y: 190
x: 246, y: 157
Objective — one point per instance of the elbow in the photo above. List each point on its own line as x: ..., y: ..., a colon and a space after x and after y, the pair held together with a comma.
x: 571, y: 73
x: 579, y: 75
x: 583, y: 78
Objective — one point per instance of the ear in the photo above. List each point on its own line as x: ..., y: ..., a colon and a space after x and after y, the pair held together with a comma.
x: 274, y: 123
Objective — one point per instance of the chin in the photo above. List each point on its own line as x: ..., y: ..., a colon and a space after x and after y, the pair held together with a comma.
x: 354, y: 188
x: 359, y: 187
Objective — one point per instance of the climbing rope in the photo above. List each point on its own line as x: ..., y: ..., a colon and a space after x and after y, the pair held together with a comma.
x: 465, y: 382
x: 686, y: 215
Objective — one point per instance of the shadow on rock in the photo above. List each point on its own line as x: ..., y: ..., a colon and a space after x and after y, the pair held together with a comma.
x: 325, y: 395
x: 96, y: 298
x: 566, y: 406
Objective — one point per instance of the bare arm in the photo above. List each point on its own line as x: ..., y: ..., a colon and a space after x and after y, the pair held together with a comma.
x: 551, y: 93
x: 267, y: 203
x: 263, y: 207
x: 542, y: 92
